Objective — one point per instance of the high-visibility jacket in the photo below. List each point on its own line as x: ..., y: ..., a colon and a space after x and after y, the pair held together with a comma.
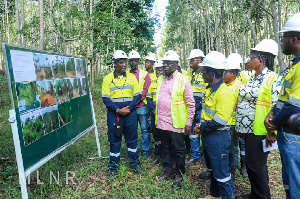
x: 218, y: 106
x: 198, y: 84
x: 185, y: 72
x: 153, y: 76
x: 244, y: 76
x: 179, y: 108
x: 120, y: 91
x: 152, y: 91
x: 264, y: 104
x: 142, y: 75
x: 234, y: 87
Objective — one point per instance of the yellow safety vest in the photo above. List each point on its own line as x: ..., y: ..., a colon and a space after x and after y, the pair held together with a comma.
x: 244, y: 76
x: 264, y: 104
x: 198, y: 84
x: 234, y: 86
x: 179, y: 107
x: 142, y: 75
x: 153, y: 76
x: 152, y: 91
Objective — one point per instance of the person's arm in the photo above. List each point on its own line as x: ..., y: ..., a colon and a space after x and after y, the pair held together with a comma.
x: 198, y: 101
x: 106, y: 95
x: 146, y: 86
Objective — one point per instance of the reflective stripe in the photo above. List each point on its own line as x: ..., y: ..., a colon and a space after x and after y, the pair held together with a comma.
x: 157, y: 143
x: 224, y: 179
x: 211, y: 112
x: 125, y: 99
x: 279, y: 104
x: 104, y: 95
x: 178, y: 103
x: 286, y: 187
x: 264, y: 103
x: 149, y: 94
x: 243, y: 153
x: 294, y: 101
x: 121, y: 88
x: 153, y: 93
x: 198, y: 94
x: 114, y: 154
x: 287, y: 84
x: 220, y: 120
x: 138, y: 93
x: 132, y: 150
x: 198, y: 85
x: 193, y: 136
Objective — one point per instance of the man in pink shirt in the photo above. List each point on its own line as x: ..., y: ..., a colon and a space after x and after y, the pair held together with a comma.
x: 142, y: 109
x: 174, y: 116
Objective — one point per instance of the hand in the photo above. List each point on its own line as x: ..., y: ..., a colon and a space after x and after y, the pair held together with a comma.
x: 268, y: 122
x: 270, y: 138
x: 196, y: 130
x: 124, y: 111
x: 188, y: 129
x: 238, y: 134
x: 153, y: 112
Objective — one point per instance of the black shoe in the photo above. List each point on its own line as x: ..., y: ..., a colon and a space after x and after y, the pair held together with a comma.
x: 138, y: 171
x: 204, y: 175
x: 167, y: 175
x: 243, y: 172
x: 177, y: 184
x: 192, y: 162
x: 155, y: 160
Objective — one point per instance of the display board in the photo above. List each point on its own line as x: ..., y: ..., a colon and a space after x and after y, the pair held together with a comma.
x: 51, y: 99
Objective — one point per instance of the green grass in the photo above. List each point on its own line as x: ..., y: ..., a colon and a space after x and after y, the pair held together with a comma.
x: 91, y: 179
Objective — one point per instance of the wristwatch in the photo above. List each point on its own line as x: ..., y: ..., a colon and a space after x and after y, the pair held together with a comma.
x: 199, y: 126
x: 118, y: 110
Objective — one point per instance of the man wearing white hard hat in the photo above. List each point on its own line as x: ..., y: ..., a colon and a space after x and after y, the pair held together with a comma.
x: 233, y: 67
x: 175, y: 110
x: 216, y: 114
x: 151, y: 102
x: 256, y: 99
x: 149, y: 63
x: 198, y: 86
x: 142, y: 108
x: 287, y: 105
x: 121, y: 94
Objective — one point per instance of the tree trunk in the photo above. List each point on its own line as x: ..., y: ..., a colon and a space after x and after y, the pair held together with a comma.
x: 41, y: 43
x: 23, y: 23
x: 91, y: 46
x: 19, y: 41
x: 248, y: 15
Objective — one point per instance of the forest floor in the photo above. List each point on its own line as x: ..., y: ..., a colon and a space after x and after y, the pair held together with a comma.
x: 90, y: 179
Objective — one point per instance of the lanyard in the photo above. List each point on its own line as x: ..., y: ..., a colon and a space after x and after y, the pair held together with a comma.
x: 112, y: 81
x: 193, y: 76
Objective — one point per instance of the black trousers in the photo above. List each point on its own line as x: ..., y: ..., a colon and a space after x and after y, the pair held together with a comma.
x: 256, y: 164
x: 169, y: 138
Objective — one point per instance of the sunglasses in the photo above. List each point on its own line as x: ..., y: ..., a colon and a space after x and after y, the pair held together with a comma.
x: 120, y: 62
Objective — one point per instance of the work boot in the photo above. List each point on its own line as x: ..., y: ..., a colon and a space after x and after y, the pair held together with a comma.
x: 167, y: 175
x: 243, y: 172
x: 177, y: 184
x: 232, y: 172
x: 146, y: 156
x: 155, y: 161
x: 192, y: 162
x: 204, y: 175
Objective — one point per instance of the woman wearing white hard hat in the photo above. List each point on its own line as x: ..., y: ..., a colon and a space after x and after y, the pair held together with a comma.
x: 256, y: 99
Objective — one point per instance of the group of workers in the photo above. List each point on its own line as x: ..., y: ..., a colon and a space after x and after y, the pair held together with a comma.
x: 215, y: 100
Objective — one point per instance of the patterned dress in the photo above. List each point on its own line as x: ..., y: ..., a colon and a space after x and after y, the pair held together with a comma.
x: 248, y: 94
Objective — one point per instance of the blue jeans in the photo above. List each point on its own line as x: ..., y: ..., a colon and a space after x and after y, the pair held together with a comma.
x: 156, y: 136
x: 216, y: 153
x: 143, y: 117
x: 242, y: 152
x: 289, y: 147
x: 195, y: 139
x: 129, y: 123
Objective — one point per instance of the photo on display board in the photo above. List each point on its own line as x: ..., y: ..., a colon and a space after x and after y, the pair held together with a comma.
x: 46, y: 93
x: 83, y: 83
x: 79, y: 67
x: 32, y: 126
x: 70, y: 67
x: 64, y: 113
x: 28, y: 97
x: 58, y: 67
x: 61, y: 90
x: 42, y: 64
x: 50, y: 117
x: 73, y: 88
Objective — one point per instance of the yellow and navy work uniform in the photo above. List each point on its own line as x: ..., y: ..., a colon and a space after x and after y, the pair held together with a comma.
x: 288, y: 141
x: 152, y: 75
x: 119, y: 92
x: 289, y: 96
x: 234, y: 87
x: 198, y: 87
x: 151, y: 95
x: 216, y: 113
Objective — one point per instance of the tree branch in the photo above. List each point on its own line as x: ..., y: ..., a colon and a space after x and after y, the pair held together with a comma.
x: 263, y: 8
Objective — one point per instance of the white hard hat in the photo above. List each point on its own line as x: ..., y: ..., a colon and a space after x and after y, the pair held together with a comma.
x: 196, y: 53
x: 268, y: 46
x: 134, y: 55
x: 234, y: 61
x: 158, y: 63
x: 119, y: 54
x: 171, y: 55
x: 214, y: 60
x: 292, y: 24
x: 151, y: 57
